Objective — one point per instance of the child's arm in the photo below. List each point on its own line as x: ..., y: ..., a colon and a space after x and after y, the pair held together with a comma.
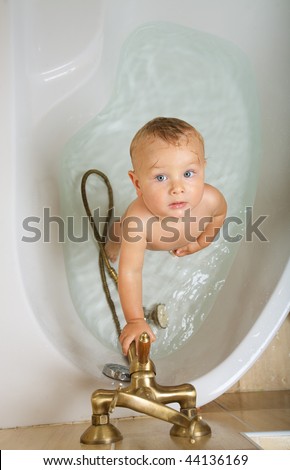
x: 130, y: 287
x: 211, y: 230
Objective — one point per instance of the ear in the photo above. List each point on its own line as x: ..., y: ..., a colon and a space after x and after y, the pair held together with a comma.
x: 133, y: 177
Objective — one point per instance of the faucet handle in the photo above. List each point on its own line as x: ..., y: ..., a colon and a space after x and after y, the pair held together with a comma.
x: 143, y: 348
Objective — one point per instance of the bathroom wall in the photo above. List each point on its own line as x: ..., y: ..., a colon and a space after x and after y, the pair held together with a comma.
x: 272, y: 370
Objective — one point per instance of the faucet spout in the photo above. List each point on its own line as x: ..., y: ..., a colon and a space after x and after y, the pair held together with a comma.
x: 152, y: 408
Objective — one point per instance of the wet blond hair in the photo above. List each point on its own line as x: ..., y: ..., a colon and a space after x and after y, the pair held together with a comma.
x: 171, y: 130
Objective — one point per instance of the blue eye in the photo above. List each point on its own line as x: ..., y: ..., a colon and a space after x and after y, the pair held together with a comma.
x: 161, y: 177
x: 188, y: 174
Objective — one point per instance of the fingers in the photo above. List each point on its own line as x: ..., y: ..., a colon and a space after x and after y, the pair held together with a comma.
x: 181, y: 252
x: 126, y: 339
x: 126, y: 343
x: 186, y: 250
x: 152, y: 336
x: 172, y: 253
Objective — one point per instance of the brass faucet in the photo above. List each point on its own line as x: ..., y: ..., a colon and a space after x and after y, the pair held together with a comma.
x: 145, y: 396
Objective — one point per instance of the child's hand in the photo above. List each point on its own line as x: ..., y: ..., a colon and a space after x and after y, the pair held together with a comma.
x: 187, y: 249
x: 132, y: 331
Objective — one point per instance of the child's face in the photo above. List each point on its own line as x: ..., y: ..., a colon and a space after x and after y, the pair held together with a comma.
x: 169, y: 178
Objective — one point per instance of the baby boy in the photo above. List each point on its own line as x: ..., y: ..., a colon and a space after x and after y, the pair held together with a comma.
x: 175, y: 210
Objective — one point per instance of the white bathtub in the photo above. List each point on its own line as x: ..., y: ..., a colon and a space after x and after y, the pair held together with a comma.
x: 58, y: 67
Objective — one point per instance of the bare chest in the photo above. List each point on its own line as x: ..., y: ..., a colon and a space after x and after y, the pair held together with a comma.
x: 171, y: 233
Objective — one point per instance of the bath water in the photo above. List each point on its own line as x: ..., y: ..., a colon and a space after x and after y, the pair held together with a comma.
x: 164, y: 70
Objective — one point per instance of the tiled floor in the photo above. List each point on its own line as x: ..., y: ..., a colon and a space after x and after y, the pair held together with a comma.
x: 229, y: 416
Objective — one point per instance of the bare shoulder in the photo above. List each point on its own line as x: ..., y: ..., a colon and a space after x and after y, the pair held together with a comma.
x: 214, y: 199
x: 137, y: 209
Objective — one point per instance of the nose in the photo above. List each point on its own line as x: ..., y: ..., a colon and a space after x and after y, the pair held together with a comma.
x: 177, y: 187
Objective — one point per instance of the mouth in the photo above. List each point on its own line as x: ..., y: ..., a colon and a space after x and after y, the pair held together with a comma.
x: 178, y: 205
